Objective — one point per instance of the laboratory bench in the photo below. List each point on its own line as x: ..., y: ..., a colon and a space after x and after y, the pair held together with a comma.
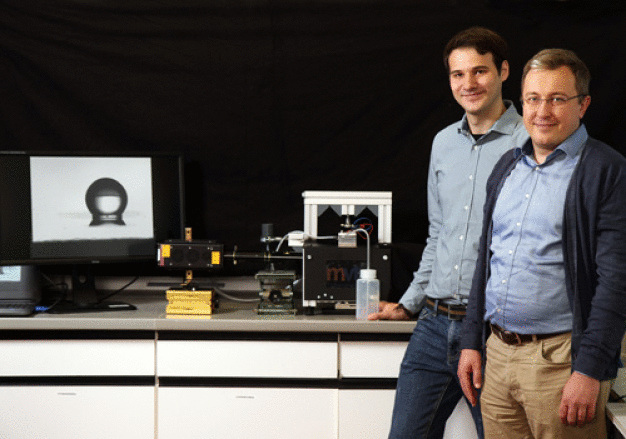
x: 150, y: 315
x: 233, y: 374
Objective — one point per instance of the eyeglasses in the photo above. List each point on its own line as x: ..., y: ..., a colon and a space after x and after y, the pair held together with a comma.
x: 554, y: 101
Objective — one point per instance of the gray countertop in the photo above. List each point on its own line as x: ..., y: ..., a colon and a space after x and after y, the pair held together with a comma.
x: 230, y: 316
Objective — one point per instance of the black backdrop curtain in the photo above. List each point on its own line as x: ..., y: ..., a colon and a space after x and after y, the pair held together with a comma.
x: 269, y: 98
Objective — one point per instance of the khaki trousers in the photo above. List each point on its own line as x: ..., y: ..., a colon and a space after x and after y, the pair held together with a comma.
x: 522, y: 391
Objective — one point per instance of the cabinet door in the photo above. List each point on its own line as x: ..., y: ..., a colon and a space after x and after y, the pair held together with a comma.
x: 460, y: 424
x: 365, y: 413
x: 64, y: 412
x: 371, y: 359
x: 247, y: 413
x: 260, y: 359
x: 88, y: 357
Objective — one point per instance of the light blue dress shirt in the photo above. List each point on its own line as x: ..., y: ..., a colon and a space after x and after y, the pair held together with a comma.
x: 526, y: 290
x: 458, y: 172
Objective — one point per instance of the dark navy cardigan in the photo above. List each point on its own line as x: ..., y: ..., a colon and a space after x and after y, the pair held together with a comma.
x: 594, y: 248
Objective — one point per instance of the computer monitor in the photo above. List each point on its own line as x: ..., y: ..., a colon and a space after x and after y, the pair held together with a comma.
x: 87, y: 209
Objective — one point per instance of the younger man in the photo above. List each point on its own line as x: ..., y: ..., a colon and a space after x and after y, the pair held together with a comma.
x: 462, y: 157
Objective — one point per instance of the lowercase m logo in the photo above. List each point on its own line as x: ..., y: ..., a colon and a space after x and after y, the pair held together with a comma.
x: 342, y: 273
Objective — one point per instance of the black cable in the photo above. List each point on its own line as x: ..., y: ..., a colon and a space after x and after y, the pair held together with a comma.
x: 119, y: 290
x: 62, y: 286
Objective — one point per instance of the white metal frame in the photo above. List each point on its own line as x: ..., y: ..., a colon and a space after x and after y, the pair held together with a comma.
x: 350, y: 203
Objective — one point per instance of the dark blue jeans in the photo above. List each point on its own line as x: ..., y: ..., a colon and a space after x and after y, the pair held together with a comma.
x: 428, y: 388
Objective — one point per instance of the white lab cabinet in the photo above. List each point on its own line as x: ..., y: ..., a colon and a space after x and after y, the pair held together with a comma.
x: 273, y: 389
x: 367, y: 412
x: 86, y: 412
x: 245, y: 358
x: 232, y: 376
x: 75, y: 357
x: 460, y: 424
x: 371, y: 359
x: 247, y: 413
x: 77, y: 388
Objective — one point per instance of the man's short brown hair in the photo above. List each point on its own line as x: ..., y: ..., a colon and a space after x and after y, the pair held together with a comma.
x: 481, y: 39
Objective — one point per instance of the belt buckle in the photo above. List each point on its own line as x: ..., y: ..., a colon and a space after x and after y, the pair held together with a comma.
x: 511, y: 338
x: 452, y: 316
x: 514, y: 338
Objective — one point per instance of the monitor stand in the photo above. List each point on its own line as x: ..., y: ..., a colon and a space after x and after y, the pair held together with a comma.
x: 83, y: 296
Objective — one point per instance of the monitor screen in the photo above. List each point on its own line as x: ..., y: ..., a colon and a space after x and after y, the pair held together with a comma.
x: 69, y: 208
x: 84, y: 209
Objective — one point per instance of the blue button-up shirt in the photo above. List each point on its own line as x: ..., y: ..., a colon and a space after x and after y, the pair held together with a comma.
x: 526, y: 290
x: 458, y: 172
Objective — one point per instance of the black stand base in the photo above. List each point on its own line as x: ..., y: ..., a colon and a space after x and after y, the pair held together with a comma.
x: 84, y: 296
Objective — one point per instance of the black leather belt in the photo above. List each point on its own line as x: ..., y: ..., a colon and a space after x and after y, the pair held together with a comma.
x: 453, y: 312
x: 514, y: 338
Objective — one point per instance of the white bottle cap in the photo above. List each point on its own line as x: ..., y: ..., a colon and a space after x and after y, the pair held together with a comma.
x: 367, y: 273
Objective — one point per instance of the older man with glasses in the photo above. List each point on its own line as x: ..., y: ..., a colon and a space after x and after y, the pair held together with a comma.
x: 550, y: 282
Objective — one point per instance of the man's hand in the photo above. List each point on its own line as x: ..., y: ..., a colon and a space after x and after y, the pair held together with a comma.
x: 470, y: 374
x: 389, y: 311
x: 580, y: 396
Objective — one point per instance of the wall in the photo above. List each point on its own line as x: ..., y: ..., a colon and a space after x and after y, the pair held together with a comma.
x: 268, y: 98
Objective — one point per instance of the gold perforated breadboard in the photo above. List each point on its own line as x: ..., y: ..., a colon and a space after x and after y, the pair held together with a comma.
x: 189, y: 302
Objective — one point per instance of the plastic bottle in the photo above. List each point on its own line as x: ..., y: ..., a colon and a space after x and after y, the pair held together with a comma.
x: 367, y: 294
